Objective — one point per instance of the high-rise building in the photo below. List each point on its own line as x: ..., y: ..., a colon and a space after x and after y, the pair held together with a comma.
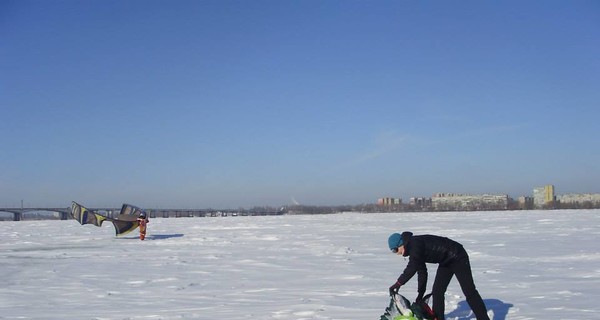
x: 544, y: 196
x: 420, y: 202
x: 389, y: 201
x: 525, y: 203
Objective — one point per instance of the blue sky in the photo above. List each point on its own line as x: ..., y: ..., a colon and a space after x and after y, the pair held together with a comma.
x: 197, y: 104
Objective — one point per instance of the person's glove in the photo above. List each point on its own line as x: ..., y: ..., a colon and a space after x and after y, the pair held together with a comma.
x: 419, y: 297
x: 394, y: 288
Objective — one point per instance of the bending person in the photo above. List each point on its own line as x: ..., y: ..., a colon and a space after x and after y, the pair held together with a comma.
x: 452, y: 259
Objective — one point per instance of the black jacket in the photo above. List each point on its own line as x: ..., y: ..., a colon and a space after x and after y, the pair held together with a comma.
x: 428, y: 249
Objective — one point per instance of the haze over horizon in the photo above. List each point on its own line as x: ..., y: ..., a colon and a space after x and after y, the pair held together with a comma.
x: 230, y: 104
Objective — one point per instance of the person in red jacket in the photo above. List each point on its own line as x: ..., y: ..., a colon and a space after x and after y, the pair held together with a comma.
x: 143, y: 221
x: 452, y: 259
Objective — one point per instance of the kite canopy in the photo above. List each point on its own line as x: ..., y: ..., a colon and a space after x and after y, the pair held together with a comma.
x: 124, y: 222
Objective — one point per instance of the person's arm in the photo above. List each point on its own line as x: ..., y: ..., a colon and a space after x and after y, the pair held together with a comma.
x: 407, y: 274
x: 416, y: 262
x: 414, y: 265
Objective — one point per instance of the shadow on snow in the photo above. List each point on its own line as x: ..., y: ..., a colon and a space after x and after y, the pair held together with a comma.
x: 164, y: 236
x: 463, y: 311
x: 156, y: 236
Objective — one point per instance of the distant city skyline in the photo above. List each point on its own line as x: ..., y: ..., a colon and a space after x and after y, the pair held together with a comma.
x: 549, y: 194
x: 546, y: 191
x: 199, y: 104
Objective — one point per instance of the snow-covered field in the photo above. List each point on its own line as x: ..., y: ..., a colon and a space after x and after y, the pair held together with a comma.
x: 526, y: 265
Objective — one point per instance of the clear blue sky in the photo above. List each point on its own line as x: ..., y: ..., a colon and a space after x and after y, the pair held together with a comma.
x: 242, y: 103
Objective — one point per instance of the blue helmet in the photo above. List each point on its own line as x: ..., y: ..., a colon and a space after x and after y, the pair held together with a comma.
x: 395, y: 241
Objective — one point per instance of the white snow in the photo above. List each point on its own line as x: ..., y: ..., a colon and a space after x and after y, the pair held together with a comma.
x: 526, y: 265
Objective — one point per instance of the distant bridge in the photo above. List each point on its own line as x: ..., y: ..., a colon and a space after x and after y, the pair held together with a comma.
x: 19, y: 212
x: 65, y: 213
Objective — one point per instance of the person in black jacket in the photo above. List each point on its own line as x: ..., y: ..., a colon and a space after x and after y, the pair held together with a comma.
x: 452, y: 259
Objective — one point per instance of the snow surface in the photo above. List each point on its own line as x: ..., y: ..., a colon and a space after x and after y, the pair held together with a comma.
x: 526, y: 265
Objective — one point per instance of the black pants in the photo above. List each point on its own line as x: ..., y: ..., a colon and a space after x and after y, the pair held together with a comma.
x: 462, y: 270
